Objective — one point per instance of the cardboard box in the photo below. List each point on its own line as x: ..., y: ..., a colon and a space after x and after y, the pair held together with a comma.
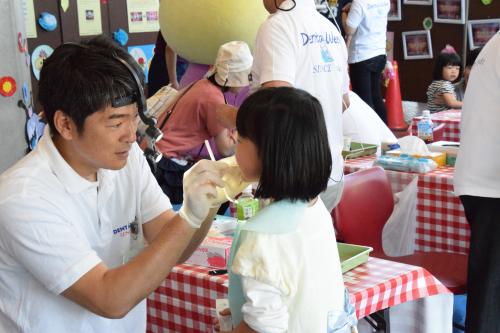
x: 438, y: 157
x: 449, y: 147
x: 213, y: 252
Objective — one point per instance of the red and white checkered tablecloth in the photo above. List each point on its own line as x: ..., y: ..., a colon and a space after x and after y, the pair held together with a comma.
x: 185, y: 301
x: 449, y: 117
x: 441, y: 223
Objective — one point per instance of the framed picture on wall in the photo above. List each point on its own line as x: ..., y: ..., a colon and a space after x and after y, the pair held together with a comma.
x: 480, y: 31
x: 417, y: 45
x: 449, y: 11
x: 395, y: 11
x: 418, y: 2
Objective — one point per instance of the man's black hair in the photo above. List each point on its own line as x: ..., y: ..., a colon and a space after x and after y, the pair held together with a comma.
x: 80, y: 79
x: 445, y: 59
x: 472, y: 56
x: 288, y: 128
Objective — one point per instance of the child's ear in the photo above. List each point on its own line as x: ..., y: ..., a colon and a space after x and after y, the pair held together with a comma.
x: 232, y: 135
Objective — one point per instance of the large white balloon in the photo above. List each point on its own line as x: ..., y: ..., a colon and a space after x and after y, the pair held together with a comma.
x: 196, y: 28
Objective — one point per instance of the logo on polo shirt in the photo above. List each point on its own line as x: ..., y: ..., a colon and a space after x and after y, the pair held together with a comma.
x: 126, y: 229
x: 319, y: 38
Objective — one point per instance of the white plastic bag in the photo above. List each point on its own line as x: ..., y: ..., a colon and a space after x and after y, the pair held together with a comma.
x: 398, y: 236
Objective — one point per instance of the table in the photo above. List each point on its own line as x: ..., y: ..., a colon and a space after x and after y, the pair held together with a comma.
x: 451, y: 119
x: 185, y: 301
x: 441, y: 223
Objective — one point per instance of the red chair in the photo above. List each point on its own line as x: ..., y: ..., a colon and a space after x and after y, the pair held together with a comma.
x: 359, y: 218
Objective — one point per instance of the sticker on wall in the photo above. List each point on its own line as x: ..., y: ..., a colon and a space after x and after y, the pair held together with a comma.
x: 34, y: 129
x: 27, y: 59
x: 121, y: 37
x: 427, y: 23
x: 64, y: 5
x: 142, y: 54
x: 22, y: 43
x: 7, y: 86
x: 26, y: 94
x: 38, y: 56
x: 47, y: 21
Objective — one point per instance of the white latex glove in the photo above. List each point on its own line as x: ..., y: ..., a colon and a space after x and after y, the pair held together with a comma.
x: 199, y: 185
x: 233, y: 181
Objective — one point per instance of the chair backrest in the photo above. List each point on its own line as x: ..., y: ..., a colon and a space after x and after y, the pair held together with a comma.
x: 438, y: 132
x: 366, y: 204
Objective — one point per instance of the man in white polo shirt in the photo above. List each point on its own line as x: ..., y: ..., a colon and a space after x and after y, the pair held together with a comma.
x: 297, y: 46
x: 477, y: 182
x: 75, y: 213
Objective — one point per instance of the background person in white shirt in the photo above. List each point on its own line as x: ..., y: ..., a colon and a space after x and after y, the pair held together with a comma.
x: 477, y: 182
x: 296, y: 46
x: 365, y: 25
x: 75, y: 213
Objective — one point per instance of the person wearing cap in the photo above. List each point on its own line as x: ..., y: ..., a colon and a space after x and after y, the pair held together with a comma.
x: 297, y: 46
x: 199, y: 115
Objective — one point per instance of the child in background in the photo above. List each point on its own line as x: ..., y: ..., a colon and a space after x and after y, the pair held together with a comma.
x: 441, y: 92
x: 284, y: 271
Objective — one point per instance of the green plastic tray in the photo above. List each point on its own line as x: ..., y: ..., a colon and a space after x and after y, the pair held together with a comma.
x: 359, y: 149
x: 352, y: 255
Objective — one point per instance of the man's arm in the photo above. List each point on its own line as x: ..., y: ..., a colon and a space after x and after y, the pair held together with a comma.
x: 112, y: 293
x: 349, y: 31
x: 154, y: 227
x: 171, y: 62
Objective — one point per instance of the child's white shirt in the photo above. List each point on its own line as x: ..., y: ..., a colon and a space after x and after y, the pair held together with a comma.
x: 291, y: 281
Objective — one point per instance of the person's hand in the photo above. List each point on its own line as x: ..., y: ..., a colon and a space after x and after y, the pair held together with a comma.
x: 175, y: 84
x: 199, y: 187
x: 225, y: 312
x: 233, y: 181
x: 347, y: 8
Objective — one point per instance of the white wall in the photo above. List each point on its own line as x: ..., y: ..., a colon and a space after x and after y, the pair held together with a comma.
x: 12, y: 63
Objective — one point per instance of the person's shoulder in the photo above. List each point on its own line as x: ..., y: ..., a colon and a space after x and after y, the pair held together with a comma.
x: 28, y: 175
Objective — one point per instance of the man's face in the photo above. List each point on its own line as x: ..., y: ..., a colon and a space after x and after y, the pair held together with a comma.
x: 105, y: 140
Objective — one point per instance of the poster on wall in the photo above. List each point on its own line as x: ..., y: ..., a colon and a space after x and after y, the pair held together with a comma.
x: 143, y: 55
x: 143, y: 15
x: 29, y: 18
x: 89, y: 17
x: 389, y: 46
x: 480, y: 31
x: 417, y: 45
x: 395, y: 11
x: 449, y: 11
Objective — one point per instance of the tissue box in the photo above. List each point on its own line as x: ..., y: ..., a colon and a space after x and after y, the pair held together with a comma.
x: 449, y: 147
x: 212, y: 252
x: 438, y: 157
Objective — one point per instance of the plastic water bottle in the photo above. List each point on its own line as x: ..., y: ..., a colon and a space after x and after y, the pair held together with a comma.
x: 424, y: 127
x: 246, y: 205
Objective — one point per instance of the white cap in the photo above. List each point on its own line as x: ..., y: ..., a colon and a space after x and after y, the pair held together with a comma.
x: 232, y: 65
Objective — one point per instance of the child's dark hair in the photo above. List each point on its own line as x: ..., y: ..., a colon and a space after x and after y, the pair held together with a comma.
x: 288, y: 128
x: 446, y: 59
x: 80, y: 79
